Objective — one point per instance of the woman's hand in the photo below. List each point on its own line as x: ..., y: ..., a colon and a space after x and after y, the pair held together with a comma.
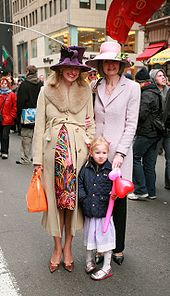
x: 117, y: 161
x: 87, y: 122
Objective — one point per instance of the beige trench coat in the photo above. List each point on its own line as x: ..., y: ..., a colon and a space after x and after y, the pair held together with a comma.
x: 56, y: 107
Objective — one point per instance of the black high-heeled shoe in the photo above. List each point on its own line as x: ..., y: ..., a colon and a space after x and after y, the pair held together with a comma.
x: 118, y: 259
x: 99, y: 258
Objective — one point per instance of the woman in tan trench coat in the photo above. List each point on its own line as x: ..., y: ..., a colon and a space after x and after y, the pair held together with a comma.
x: 59, y: 148
x: 116, y: 115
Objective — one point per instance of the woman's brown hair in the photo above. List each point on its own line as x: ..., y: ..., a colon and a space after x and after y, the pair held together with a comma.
x: 3, y: 78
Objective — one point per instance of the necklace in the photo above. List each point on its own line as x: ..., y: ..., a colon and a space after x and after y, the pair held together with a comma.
x: 109, y: 88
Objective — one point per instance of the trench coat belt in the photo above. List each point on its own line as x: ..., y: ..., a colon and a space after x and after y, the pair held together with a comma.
x: 55, y: 121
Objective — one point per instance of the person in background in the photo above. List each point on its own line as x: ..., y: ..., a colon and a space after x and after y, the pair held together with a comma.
x: 8, y: 111
x: 42, y: 79
x: 116, y: 110
x: 166, y: 139
x: 60, y: 148
x: 92, y: 75
x: 159, y: 78
x: 128, y: 75
x: 145, y: 145
x: 27, y: 95
x: 94, y: 192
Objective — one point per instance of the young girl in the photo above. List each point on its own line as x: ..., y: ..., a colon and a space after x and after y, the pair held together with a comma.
x: 94, y: 192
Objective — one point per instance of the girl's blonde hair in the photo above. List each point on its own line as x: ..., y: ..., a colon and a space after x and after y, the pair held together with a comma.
x: 98, y: 141
x: 56, y: 76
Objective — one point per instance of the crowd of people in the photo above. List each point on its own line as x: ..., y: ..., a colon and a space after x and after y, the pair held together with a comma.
x: 87, y: 120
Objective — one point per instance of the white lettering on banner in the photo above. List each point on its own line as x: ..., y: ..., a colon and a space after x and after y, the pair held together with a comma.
x: 8, y: 285
x: 140, y: 4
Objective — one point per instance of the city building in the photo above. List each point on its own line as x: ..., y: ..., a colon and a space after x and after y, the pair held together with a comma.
x: 6, y: 61
x: 74, y: 22
x: 157, y: 36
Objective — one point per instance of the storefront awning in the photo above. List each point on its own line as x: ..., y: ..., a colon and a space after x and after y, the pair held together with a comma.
x: 150, y: 51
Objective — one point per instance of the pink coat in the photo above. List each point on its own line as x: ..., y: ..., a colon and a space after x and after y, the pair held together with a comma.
x: 116, y: 119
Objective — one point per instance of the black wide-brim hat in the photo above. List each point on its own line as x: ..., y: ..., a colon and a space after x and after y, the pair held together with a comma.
x: 71, y: 57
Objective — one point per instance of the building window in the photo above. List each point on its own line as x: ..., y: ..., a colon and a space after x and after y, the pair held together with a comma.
x: 30, y: 18
x: 50, y: 8
x: 33, y: 18
x: 129, y: 45
x: 51, y: 46
x: 61, y: 5
x: 55, y: 7
x: 26, y: 21
x: 65, y: 4
x: 34, y: 48
x: 22, y: 57
x: 85, y: 4
x: 41, y: 11
x: 91, y: 38
x: 36, y: 17
x: 101, y: 4
x: 13, y: 7
x: 45, y: 11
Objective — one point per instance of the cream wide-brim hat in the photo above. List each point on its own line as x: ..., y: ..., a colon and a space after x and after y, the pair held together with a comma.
x: 109, y: 51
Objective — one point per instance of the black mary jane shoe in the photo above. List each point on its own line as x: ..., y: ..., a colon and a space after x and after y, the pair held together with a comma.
x: 118, y: 259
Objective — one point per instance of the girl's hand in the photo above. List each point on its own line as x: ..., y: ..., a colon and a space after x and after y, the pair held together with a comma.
x: 37, y: 167
x: 117, y: 161
x: 87, y: 122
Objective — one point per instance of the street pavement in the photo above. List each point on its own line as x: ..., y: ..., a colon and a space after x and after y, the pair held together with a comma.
x: 25, y: 248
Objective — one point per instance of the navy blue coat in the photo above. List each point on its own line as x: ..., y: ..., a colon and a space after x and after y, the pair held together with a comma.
x: 94, y: 187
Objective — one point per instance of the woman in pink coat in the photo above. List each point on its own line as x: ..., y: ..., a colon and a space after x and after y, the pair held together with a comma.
x: 116, y: 114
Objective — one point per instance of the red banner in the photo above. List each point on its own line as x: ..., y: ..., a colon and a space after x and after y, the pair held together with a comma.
x: 122, y: 14
x: 140, y: 11
x: 118, y: 24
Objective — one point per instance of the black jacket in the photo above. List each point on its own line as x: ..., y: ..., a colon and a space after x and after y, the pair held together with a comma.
x: 94, y: 189
x: 150, y: 108
x: 27, y: 95
x: 167, y: 110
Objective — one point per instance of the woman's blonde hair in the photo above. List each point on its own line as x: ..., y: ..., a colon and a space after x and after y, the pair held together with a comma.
x: 56, y: 76
x: 98, y: 141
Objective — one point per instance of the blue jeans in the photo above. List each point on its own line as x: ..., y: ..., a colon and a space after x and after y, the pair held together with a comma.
x: 166, y: 146
x: 144, y: 161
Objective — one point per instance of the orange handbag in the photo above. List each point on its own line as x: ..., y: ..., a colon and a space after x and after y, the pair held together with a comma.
x: 35, y: 197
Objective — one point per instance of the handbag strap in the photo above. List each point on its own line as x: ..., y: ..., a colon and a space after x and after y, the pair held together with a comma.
x: 2, y: 107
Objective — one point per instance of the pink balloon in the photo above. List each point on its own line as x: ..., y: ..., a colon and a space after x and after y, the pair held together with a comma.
x: 123, y: 187
x: 108, y: 214
x: 114, y: 174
